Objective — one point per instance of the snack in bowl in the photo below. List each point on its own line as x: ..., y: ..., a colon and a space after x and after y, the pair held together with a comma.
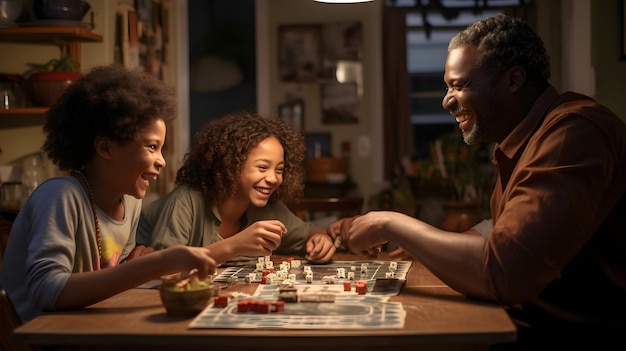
x: 186, y: 296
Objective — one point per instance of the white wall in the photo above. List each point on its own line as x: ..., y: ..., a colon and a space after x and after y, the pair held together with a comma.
x: 366, y: 163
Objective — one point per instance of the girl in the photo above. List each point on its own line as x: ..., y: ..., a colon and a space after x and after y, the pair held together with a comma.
x: 231, y: 184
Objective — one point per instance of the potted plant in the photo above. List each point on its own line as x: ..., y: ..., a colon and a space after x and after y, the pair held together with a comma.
x: 46, y: 82
x: 459, y: 177
x: 467, y: 175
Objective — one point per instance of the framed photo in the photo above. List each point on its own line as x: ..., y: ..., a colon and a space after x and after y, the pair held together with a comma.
x: 318, y: 145
x: 339, y: 103
x: 293, y: 113
x: 622, y: 18
x: 299, y: 52
x: 342, y: 41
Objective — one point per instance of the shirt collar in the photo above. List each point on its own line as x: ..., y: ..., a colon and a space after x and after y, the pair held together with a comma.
x: 520, y: 134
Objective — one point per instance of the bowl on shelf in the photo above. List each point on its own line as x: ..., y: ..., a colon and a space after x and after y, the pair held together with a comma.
x: 73, y: 10
x: 45, y: 88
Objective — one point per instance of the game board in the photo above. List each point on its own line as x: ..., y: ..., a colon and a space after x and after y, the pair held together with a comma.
x: 376, y: 276
x: 349, y: 310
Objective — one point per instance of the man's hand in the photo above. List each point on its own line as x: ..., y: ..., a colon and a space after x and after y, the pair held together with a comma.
x: 340, y: 229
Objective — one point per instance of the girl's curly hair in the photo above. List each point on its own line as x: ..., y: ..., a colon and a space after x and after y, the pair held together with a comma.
x: 220, y: 148
x: 108, y: 101
x: 503, y: 42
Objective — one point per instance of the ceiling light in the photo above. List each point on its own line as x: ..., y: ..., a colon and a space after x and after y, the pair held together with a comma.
x: 342, y: 1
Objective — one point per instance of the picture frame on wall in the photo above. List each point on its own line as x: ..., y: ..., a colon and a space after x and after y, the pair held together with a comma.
x: 318, y: 144
x: 342, y: 45
x: 342, y: 41
x: 292, y: 112
x: 299, y: 52
x: 339, y: 103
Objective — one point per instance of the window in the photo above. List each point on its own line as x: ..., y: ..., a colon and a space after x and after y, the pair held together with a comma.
x: 429, y: 29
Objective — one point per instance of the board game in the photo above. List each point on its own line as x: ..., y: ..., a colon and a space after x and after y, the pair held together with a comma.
x: 339, y: 294
x: 376, y: 275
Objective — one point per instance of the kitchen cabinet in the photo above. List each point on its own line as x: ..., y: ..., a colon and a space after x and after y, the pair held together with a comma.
x: 68, y: 39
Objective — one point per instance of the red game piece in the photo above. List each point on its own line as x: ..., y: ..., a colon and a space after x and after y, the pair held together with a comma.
x: 360, y: 287
x: 262, y: 307
x: 243, y: 306
x: 278, y: 306
x: 346, y: 285
x: 220, y: 301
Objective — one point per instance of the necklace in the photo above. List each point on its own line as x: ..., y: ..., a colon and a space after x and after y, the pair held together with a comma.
x: 93, y: 208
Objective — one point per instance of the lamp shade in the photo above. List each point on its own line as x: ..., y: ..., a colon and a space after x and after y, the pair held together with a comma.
x: 342, y: 1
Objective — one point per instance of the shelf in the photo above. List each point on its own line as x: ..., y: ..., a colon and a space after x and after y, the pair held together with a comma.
x: 22, y: 117
x: 47, y: 35
x: 68, y: 38
x: 24, y: 111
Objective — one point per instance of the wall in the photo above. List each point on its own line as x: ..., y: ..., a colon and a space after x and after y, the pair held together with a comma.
x: 610, y: 69
x: 366, y: 160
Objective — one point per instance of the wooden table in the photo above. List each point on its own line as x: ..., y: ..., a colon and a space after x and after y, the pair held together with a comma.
x: 437, y: 318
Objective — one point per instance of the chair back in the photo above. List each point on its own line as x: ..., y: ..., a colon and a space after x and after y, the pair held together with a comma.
x: 9, y: 320
x: 309, y: 209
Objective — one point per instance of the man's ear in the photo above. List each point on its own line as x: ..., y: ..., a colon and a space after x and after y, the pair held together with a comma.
x: 516, y: 78
x: 103, y: 147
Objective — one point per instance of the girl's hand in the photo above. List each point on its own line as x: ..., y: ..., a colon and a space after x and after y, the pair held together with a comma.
x: 320, y: 247
x: 258, y: 239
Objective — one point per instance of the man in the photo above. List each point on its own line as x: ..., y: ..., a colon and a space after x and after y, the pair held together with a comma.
x: 555, y: 252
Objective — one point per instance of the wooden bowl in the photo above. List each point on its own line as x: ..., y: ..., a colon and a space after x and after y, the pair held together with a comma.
x: 186, y: 303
